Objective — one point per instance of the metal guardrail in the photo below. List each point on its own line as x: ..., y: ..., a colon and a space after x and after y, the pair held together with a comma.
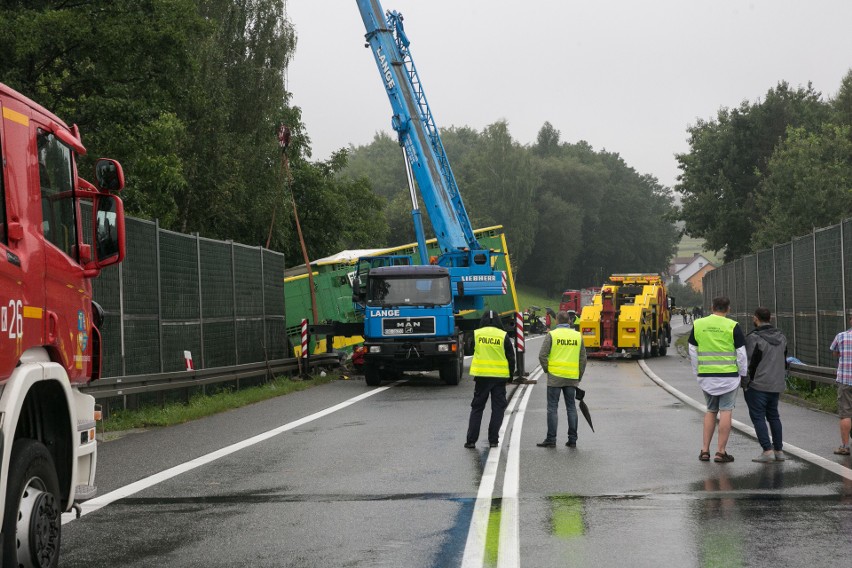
x: 824, y: 375
x: 113, y: 387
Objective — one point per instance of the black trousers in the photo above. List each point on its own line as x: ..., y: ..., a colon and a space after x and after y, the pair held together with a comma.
x: 483, y: 388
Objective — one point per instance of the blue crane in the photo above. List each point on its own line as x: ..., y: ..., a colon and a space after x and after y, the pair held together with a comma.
x: 411, y: 312
x: 426, y: 158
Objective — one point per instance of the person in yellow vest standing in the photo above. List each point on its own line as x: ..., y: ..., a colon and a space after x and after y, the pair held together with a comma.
x: 563, y: 358
x: 717, y: 349
x: 491, y: 368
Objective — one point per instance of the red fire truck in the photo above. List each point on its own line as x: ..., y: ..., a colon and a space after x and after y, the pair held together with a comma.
x: 57, y: 231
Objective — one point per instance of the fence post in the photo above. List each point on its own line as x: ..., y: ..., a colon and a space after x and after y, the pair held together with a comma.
x: 263, y: 304
x: 200, y: 298
x: 234, y: 304
x: 843, y: 272
x: 793, y: 288
x: 159, y: 295
x: 774, y: 286
x: 121, y: 318
x: 816, y: 298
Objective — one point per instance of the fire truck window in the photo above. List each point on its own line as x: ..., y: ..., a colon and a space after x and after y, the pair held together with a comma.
x: 57, y: 193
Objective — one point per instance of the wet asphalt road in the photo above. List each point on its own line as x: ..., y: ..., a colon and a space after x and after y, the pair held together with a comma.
x: 386, y: 482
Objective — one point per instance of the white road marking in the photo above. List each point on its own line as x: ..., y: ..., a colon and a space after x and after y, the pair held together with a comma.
x: 150, y: 481
x: 474, y: 548
x: 820, y: 461
x: 509, y: 548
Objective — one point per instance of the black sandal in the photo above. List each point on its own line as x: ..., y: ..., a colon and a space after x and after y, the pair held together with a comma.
x: 723, y: 457
x: 704, y: 456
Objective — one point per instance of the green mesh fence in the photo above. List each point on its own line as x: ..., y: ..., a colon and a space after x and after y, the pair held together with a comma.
x: 804, y: 298
x: 807, y: 283
x: 221, y: 301
x: 846, y: 239
x: 766, y: 279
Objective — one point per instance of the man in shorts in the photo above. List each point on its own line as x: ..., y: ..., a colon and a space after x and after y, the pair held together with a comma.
x: 717, y: 349
x: 842, y: 348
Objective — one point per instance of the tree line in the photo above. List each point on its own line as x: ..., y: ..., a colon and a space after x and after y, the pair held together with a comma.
x: 770, y: 170
x: 188, y: 95
x: 572, y: 215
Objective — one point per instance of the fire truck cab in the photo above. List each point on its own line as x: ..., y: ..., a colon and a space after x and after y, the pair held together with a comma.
x: 57, y: 231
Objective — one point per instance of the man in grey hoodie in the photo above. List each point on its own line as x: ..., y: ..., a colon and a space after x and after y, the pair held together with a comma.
x: 766, y: 348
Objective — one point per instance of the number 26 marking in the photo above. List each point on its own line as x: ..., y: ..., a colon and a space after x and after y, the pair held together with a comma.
x: 13, y: 319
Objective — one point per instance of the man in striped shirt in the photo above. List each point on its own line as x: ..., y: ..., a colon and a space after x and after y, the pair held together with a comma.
x: 842, y: 348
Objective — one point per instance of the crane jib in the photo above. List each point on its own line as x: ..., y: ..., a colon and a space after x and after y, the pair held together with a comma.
x: 386, y: 72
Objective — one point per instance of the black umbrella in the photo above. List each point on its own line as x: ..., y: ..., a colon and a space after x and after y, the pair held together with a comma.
x: 581, y: 394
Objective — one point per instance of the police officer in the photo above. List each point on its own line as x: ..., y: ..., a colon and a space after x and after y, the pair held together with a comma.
x: 563, y: 358
x: 492, y: 367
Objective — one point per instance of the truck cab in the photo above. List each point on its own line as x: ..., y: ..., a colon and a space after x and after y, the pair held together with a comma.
x: 57, y: 231
x: 409, y: 323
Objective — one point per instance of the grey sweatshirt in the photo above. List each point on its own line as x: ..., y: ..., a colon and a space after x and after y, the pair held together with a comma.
x: 766, y: 348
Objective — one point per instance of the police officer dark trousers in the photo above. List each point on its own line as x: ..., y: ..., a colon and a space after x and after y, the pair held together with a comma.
x: 492, y: 366
x: 563, y: 358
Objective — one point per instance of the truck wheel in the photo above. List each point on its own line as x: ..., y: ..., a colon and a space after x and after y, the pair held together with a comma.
x: 648, y: 353
x: 451, y: 372
x: 640, y: 352
x: 32, y: 520
x: 372, y: 375
x: 468, y: 343
x: 664, y: 345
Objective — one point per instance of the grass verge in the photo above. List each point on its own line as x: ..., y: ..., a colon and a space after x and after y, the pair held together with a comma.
x: 529, y: 296
x: 201, y: 405
x: 821, y: 397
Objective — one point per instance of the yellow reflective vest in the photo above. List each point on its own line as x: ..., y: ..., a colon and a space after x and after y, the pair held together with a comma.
x: 564, y: 358
x: 717, y: 354
x: 489, y: 356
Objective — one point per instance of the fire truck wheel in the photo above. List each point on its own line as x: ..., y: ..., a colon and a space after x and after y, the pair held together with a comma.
x: 640, y: 352
x: 648, y: 353
x: 32, y: 520
x: 664, y: 345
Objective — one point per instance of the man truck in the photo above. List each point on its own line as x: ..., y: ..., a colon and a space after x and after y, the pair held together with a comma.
x: 57, y: 231
x: 412, y: 311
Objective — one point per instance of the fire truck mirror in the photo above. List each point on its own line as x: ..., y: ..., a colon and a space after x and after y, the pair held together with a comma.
x: 109, y: 230
x: 109, y: 174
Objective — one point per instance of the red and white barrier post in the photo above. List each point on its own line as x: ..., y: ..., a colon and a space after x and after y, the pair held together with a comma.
x: 187, y: 359
x: 520, y: 348
x: 305, y: 350
x: 304, y: 339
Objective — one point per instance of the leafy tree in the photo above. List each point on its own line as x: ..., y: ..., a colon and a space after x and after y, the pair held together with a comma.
x: 382, y: 163
x: 727, y: 158
x: 547, y: 141
x: 685, y: 295
x: 499, y: 188
x: 552, y: 259
x: 808, y: 184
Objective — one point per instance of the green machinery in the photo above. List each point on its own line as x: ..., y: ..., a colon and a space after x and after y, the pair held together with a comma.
x: 333, y: 286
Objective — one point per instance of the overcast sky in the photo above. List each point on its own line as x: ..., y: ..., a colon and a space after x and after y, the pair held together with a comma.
x: 628, y: 76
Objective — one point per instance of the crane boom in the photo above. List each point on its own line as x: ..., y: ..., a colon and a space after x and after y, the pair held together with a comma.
x: 415, y: 125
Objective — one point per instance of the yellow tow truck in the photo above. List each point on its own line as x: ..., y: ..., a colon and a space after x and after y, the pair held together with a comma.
x: 629, y: 317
